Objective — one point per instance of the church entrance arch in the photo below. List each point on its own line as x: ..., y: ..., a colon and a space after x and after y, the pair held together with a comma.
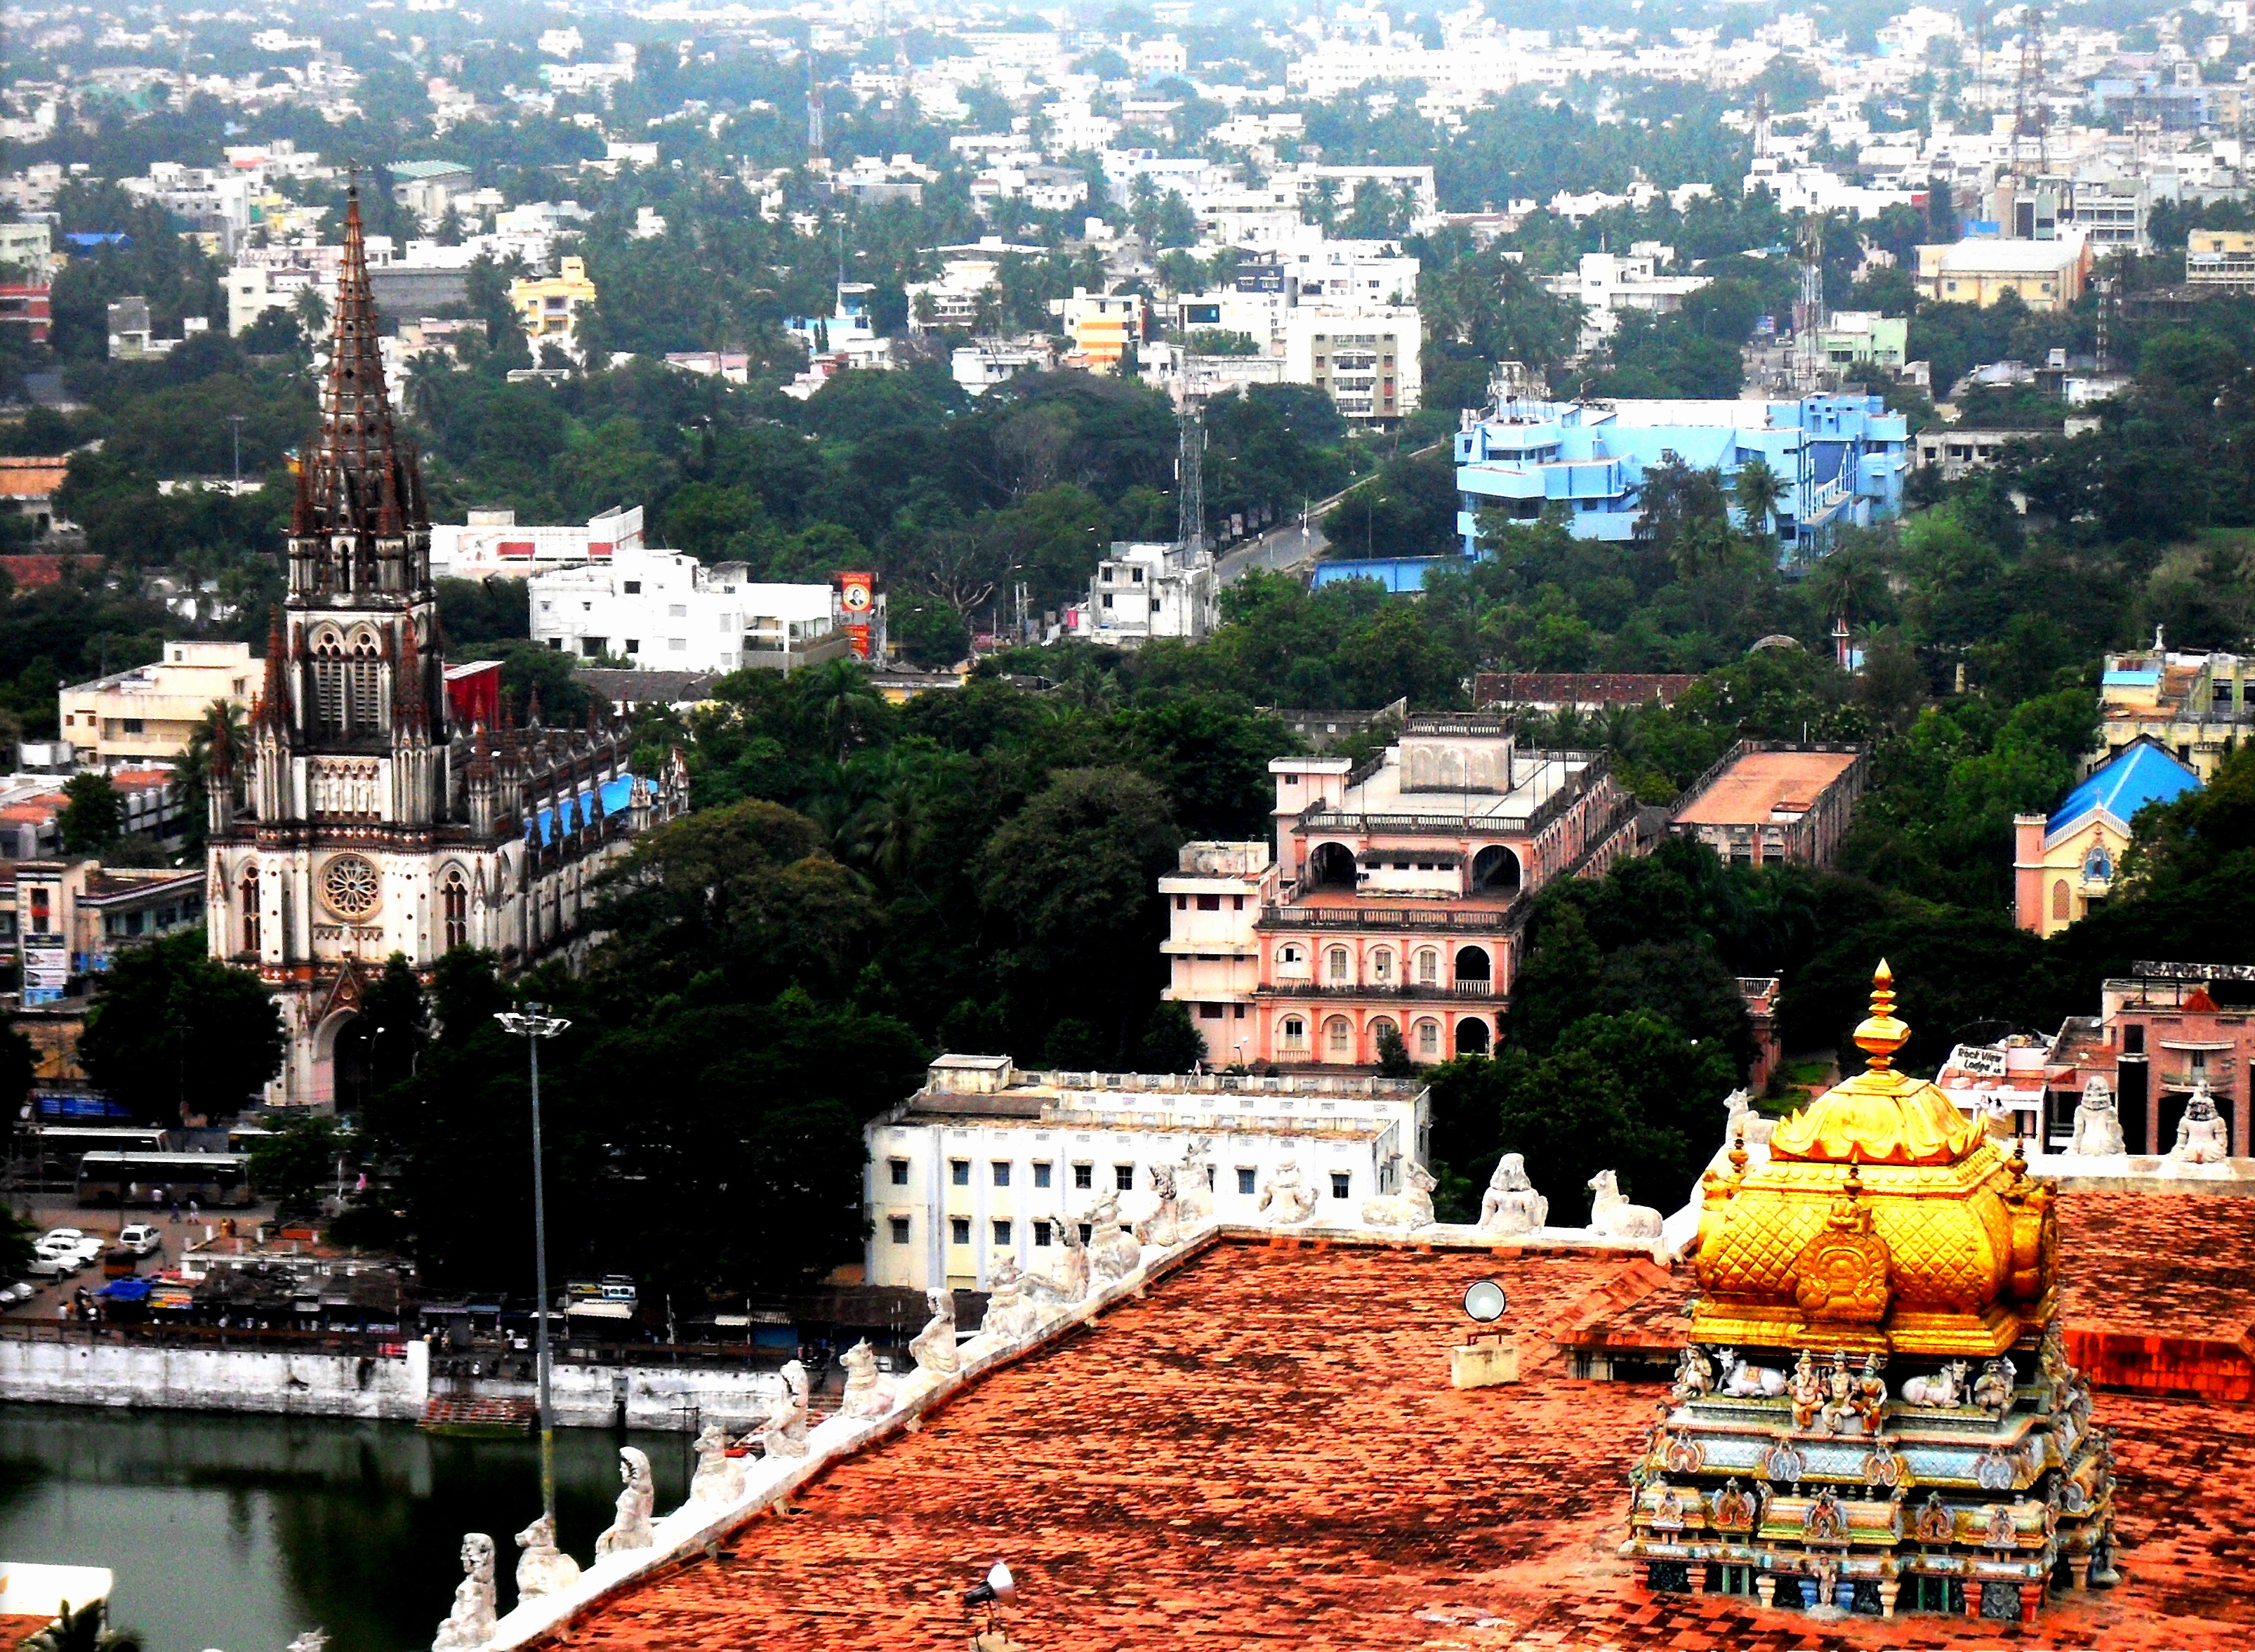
x: 341, y: 1063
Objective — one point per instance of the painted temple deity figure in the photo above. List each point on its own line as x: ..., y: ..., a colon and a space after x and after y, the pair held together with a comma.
x: 2202, y: 1136
x: 934, y: 1346
x: 470, y: 1623
x: 785, y: 1432
x: 1010, y: 1317
x: 1511, y: 1205
x: 1287, y: 1198
x: 1612, y: 1216
x: 630, y: 1519
x: 1695, y: 1374
x: 1410, y: 1208
x: 543, y: 1567
x: 2097, y: 1123
x: 1993, y: 1391
x: 1889, y: 1245
x: 719, y: 1481
x: 869, y: 1393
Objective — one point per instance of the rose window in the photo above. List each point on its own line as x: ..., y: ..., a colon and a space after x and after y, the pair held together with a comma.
x: 348, y: 885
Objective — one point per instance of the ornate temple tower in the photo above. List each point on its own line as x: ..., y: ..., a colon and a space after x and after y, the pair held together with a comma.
x: 1875, y: 1409
x: 368, y: 821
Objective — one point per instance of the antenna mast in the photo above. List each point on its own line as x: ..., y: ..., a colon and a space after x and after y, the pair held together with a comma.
x: 815, y: 144
x: 2029, y: 114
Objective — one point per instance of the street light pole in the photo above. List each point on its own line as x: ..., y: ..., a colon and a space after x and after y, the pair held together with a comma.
x: 533, y: 1027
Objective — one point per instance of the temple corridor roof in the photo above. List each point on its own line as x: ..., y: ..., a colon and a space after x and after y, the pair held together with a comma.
x: 1265, y: 1451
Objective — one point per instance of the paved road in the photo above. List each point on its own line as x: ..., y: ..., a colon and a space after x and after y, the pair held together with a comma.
x: 1286, y: 546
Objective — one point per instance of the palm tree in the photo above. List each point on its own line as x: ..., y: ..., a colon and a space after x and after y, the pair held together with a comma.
x: 222, y: 728
x: 1759, y: 490
x: 838, y: 702
x: 1850, y: 585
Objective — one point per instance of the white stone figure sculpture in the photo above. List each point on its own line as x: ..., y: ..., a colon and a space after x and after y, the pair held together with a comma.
x: 1614, y: 1217
x: 718, y: 1482
x: 630, y: 1527
x: 2202, y: 1136
x: 785, y: 1432
x: 1511, y: 1205
x: 1942, y: 1391
x: 1695, y: 1374
x: 1287, y: 1199
x: 1408, y: 1210
x: 1010, y: 1317
x: 934, y: 1345
x: 1163, y: 1226
x: 1997, y: 1119
x: 313, y: 1640
x: 1068, y: 1282
x: 1744, y: 1117
x: 1744, y: 1381
x: 543, y: 1567
x: 869, y: 1393
x: 1113, y: 1253
x: 1193, y: 1188
x: 471, y: 1623
x: 2098, y: 1123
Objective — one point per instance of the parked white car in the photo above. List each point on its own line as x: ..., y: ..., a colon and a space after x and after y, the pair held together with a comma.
x: 59, y: 1241
x: 22, y: 1290
x: 141, y: 1238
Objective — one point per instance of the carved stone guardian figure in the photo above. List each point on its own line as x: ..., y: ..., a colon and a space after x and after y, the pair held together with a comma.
x: 1287, y: 1199
x: 1010, y: 1317
x: 2097, y: 1123
x: 934, y: 1345
x: 543, y: 1567
x: 869, y: 1393
x: 630, y: 1520
x: 785, y: 1432
x: 1410, y: 1209
x: 1511, y: 1205
x: 2202, y: 1136
x: 1163, y: 1226
x: 1113, y: 1252
x: 470, y: 1623
x: 719, y: 1478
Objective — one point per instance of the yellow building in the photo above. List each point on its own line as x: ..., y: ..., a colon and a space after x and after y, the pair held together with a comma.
x: 549, y: 304
x: 1103, y: 326
x: 2196, y: 704
x: 2047, y: 274
x: 2063, y: 863
x: 147, y: 714
x: 2223, y: 259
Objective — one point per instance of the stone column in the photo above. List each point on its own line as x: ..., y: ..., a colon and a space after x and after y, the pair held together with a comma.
x: 1697, y: 1572
x: 1766, y: 1586
x: 1890, y: 1588
x: 1973, y: 1587
x: 2081, y: 1566
x: 2032, y: 1596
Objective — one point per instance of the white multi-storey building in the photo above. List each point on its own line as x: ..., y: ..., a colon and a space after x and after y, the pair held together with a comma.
x: 986, y: 1161
x: 493, y: 543
x: 1366, y: 358
x: 665, y: 610
x: 1145, y: 591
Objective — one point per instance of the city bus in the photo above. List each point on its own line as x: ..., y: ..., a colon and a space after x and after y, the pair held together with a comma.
x: 49, y: 1154
x: 213, y: 1180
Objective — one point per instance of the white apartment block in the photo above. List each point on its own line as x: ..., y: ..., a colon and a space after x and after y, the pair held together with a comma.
x: 986, y: 1161
x: 492, y: 543
x: 1366, y: 359
x: 1608, y: 283
x: 665, y: 610
x: 1145, y: 591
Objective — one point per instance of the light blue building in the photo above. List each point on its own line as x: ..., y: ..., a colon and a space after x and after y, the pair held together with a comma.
x: 1840, y: 458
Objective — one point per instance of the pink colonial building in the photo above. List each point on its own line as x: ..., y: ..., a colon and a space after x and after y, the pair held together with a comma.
x: 1395, y: 895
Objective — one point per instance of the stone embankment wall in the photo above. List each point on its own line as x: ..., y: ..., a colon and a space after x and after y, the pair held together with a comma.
x: 396, y: 1388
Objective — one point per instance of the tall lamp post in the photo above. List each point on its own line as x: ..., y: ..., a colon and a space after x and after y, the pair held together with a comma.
x: 532, y: 1026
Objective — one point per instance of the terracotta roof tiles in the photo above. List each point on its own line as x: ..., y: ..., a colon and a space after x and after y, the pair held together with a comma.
x: 1266, y: 1453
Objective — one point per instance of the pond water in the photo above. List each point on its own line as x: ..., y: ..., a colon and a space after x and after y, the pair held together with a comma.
x: 241, y: 1532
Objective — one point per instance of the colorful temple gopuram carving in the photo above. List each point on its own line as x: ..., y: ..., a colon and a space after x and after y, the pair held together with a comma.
x: 1875, y: 1412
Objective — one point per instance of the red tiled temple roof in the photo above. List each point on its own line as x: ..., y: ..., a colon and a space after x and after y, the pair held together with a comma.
x: 1266, y: 1453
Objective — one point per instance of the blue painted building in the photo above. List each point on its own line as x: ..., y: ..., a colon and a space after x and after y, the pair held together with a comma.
x: 1841, y: 459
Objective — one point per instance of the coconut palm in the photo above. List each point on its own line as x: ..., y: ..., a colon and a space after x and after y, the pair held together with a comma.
x: 1759, y: 491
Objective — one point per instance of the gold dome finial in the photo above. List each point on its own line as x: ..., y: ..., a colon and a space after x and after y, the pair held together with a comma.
x: 1881, y: 1035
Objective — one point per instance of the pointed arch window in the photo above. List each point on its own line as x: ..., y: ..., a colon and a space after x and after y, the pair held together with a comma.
x: 367, y: 686
x: 251, y: 910
x: 329, y: 684
x: 455, y: 901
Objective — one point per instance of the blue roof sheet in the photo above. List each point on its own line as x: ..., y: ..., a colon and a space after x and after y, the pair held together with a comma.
x: 2125, y: 784
x: 617, y: 794
x: 2133, y: 679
